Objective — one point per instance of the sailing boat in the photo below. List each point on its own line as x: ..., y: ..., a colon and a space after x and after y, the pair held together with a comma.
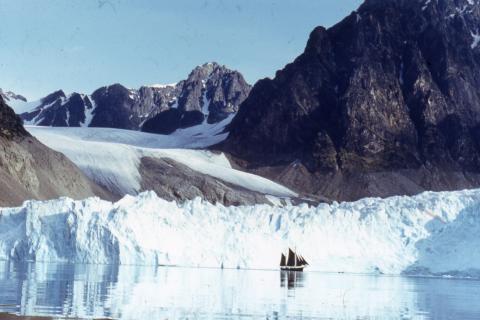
x: 292, y: 262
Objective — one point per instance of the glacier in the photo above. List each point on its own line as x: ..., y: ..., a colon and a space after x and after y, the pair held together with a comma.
x: 434, y: 234
x: 111, y: 157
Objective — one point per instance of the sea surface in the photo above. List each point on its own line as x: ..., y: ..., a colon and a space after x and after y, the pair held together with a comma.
x: 130, y: 292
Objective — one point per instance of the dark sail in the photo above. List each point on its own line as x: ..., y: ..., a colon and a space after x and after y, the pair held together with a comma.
x: 304, y: 262
x: 301, y: 261
x: 291, y: 258
x: 294, y: 261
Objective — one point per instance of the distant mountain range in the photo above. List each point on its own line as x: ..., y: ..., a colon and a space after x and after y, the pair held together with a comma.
x: 210, y: 94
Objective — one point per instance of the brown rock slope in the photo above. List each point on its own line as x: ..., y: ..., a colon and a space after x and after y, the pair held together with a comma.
x: 174, y: 181
x: 30, y: 170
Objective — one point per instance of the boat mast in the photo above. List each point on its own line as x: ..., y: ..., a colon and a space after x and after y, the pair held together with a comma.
x: 296, y: 256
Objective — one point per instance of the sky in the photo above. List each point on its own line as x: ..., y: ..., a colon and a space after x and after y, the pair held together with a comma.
x: 81, y: 45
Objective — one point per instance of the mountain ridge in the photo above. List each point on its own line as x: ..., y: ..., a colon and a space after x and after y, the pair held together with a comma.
x: 388, y: 94
x: 211, y: 92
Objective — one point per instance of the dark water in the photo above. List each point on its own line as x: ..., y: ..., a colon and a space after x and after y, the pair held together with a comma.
x: 182, y: 293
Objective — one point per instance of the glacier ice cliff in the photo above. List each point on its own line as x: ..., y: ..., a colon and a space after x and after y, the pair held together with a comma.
x: 429, y: 234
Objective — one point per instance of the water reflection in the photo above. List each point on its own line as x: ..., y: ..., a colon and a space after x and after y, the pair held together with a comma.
x: 291, y: 279
x: 175, y: 293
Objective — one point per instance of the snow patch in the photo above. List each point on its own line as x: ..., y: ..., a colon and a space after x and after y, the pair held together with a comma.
x: 426, y: 5
x: 89, y: 112
x: 205, y: 105
x: 162, y: 86
x: 476, y: 40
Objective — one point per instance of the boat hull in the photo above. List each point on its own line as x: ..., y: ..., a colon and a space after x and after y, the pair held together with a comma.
x: 297, y: 268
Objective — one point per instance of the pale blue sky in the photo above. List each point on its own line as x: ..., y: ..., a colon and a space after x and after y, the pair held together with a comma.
x: 80, y: 45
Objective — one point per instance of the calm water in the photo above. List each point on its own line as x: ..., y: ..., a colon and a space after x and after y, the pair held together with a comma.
x: 178, y: 293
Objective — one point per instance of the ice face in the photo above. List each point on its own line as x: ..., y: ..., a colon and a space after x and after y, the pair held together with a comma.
x: 432, y: 233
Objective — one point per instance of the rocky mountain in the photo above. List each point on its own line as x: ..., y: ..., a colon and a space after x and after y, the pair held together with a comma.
x: 58, y: 110
x: 12, y: 98
x: 385, y: 102
x: 30, y: 170
x: 210, y: 93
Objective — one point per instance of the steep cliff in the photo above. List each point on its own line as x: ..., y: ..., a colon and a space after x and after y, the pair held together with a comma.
x: 385, y: 102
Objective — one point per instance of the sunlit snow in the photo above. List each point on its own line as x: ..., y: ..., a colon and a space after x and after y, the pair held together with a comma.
x: 431, y: 234
x: 112, y: 157
x: 476, y: 40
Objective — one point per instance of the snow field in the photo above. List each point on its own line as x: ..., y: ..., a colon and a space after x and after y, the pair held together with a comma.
x: 111, y: 157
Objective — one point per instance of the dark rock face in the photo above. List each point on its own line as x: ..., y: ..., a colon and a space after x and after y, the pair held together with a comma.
x: 170, y: 120
x: 60, y: 111
x: 10, y: 124
x: 394, y: 87
x: 114, y: 104
x: 211, y: 93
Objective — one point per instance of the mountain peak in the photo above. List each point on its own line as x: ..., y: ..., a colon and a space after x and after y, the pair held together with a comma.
x: 202, y: 72
x: 392, y: 87
x: 210, y: 93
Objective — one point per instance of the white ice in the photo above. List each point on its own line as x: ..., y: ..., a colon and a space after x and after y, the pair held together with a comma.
x: 112, y: 157
x: 429, y: 234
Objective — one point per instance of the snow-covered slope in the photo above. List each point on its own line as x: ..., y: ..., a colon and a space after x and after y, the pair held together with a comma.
x: 200, y: 136
x: 111, y: 157
x: 433, y: 233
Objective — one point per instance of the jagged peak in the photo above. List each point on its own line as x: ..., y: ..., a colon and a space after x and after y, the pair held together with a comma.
x: 8, y: 95
x: 204, y: 70
x: 59, y: 94
x: 207, y: 69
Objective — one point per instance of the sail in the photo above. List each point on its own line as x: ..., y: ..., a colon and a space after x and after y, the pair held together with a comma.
x: 301, y: 261
x: 291, y: 258
x: 283, y: 261
x: 297, y: 260
x: 305, y: 262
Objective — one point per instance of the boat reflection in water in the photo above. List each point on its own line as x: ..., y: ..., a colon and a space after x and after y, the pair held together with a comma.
x: 291, y: 279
